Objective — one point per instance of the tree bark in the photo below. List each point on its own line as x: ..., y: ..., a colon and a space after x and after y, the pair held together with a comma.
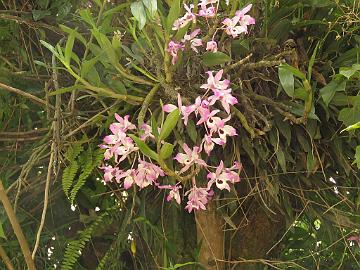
x: 256, y: 237
x: 209, y: 226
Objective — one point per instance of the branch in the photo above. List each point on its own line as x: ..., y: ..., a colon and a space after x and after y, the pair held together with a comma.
x: 33, y: 98
x: 146, y: 104
x: 16, y: 227
x: 6, y: 259
x: 239, y: 63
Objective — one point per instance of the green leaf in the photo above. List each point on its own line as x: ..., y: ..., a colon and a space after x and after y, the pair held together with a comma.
x: 310, y: 162
x: 351, y: 116
x: 312, y: 61
x: 49, y: 47
x: 69, y: 46
x: 77, y: 34
x: 352, y: 127
x: 87, y: 65
x: 287, y: 80
x: 2, y: 234
x: 85, y: 14
x: 174, y: 13
x: 191, y: 130
x: 138, y: 11
x: 357, y: 157
x: 144, y: 148
x: 106, y: 45
x: 348, y: 72
x: 166, y: 150
x: 336, y: 85
x: 169, y: 124
x: 154, y: 126
x: 151, y: 6
x: 281, y: 159
x: 295, y: 71
x: 217, y: 58
x: 40, y: 14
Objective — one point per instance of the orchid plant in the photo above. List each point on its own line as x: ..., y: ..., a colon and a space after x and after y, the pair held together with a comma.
x: 211, y: 112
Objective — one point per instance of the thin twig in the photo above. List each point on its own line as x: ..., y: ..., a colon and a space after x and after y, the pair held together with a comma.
x: 33, y: 98
x: 53, y: 156
x: 16, y: 227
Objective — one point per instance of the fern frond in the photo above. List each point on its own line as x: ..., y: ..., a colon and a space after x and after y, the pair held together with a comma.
x: 68, y: 176
x: 74, y: 247
x: 91, y: 162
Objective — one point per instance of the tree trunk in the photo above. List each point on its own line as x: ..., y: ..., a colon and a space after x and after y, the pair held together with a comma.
x: 257, y: 234
x: 209, y: 226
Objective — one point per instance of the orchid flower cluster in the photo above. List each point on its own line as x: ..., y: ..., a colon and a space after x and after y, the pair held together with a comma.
x: 120, y: 146
x: 207, y: 9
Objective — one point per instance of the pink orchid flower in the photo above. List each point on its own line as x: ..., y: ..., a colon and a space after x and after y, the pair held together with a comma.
x: 197, y: 198
x: 234, y: 177
x: 207, y: 12
x: 223, y: 133
x: 173, y: 49
x: 214, y: 123
x: 185, y: 111
x: 147, y: 132
x: 214, y: 83
x: 208, y: 144
x: 174, y: 192
x: 191, y: 156
x: 194, y: 42
x: 225, y: 97
x: 355, y: 238
x: 206, y: 115
x: 217, y: 125
x: 211, y: 46
x: 147, y: 174
x: 123, y: 124
x: 232, y: 27
x: 245, y: 20
x: 129, y: 177
x: 124, y: 149
x: 222, y: 176
x: 117, y: 136
x: 109, y: 173
x: 188, y: 17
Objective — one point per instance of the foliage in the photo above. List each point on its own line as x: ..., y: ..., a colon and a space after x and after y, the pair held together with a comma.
x: 295, y: 75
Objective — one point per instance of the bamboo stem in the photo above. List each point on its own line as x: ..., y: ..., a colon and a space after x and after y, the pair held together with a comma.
x: 16, y: 227
x: 6, y: 259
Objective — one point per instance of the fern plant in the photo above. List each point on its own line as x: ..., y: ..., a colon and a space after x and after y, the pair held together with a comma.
x: 78, y: 158
x: 74, y: 247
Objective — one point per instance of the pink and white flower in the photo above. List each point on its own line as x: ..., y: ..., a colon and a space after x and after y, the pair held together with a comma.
x: 232, y: 27
x: 197, y: 198
x: 211, y: 46
x: 188, y: 17
x: 214, y: 82
x: 225, y: 97
x: 194, y: 42
x: 185, y: 111
x: 222, y: 176
x: 191, y: 157
x: 355, y: 238
x: 174, y: 192
x: 208, y: 144
x: 173, y: 49
x: 147, y: 132
x: 207, y: 12
x: 147, y: 174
